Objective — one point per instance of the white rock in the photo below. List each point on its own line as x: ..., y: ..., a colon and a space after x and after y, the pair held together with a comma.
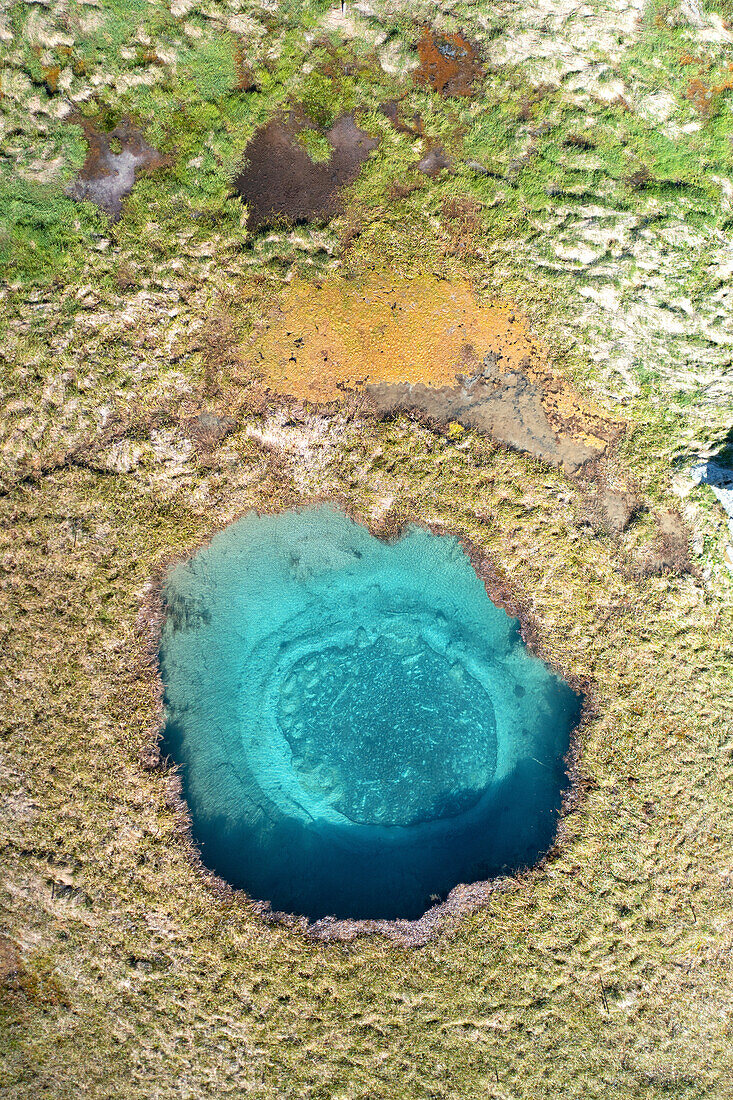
x: 658, y: 107
x: 720, y: 480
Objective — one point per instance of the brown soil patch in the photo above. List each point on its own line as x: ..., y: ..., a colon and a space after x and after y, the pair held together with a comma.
x: 391, y: 111
x: 449, y: 64
x: 280, y: 182
x: 612, y: 510
x: 671, y: 552
x: 508, y: 406
x: 245, y: 79
x: 435, y: 159
x: 208, y: 429
x: 113, y: 160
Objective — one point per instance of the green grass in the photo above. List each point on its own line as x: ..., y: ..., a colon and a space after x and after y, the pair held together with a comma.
x: 44, y: 236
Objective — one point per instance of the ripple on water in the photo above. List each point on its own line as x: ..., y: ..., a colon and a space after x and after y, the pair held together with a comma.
x: 359, y: 727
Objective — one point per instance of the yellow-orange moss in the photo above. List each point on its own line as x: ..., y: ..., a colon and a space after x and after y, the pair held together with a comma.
x: 323, y: 339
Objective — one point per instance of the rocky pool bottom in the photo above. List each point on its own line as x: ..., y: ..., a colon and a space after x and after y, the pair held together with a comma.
x: 359, y: 728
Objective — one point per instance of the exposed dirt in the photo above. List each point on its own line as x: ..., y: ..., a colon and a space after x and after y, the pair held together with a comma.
x: 435, y: 159
x: 208, y: 429
x: 434, y: 162
x: 11, y: 964
x: 391, y: 111
x: 461, y: 218
x: 245, y: 78
x: 449, y: 64
x: 113, y: 160
x: 613, y: 510
x: 280, y: 182
x: 671, y: 552
x: 508, y: 406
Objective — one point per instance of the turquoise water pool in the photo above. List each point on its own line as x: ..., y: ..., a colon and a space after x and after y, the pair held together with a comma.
x: 358, y: 727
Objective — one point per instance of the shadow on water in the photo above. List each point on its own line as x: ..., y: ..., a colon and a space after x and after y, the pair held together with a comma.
x: 323, y: 871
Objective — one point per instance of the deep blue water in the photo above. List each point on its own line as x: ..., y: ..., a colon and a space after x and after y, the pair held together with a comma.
x: 359, y: 727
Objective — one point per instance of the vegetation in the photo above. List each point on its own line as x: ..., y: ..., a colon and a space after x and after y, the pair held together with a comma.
x: 598, y: 207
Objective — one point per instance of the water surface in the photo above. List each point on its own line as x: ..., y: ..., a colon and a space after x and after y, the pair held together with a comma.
x: 359, y: 727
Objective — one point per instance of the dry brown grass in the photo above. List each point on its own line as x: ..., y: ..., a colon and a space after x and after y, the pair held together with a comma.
x: 607, y: 974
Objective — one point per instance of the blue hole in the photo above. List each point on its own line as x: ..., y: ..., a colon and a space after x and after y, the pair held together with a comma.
x: 359, y: 727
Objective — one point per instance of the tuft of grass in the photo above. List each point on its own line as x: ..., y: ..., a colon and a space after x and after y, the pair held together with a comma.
x: 44, y: 236
x: 212, y: 67
x: 316, y: 145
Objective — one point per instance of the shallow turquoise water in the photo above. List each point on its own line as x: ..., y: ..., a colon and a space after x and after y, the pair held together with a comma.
x: 359, y: 728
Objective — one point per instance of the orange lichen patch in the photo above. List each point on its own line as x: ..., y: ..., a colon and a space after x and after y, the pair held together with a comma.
x: 568, y: 413
x: 428, y: 346
x: 703, y: 97
x: 449, y: 64
x: 51, y: 75
x: 337, y: 336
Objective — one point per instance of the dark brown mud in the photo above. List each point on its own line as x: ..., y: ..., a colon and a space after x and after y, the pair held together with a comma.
x: 508, y: 406
x: 391, y: 111
x: 113, y: 160
x: 434, y: 162
x: 280, y: 182
x: 449, y: 64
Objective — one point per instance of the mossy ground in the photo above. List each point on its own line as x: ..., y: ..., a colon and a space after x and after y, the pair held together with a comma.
x: 331, y: 336
x: 123, y: 975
